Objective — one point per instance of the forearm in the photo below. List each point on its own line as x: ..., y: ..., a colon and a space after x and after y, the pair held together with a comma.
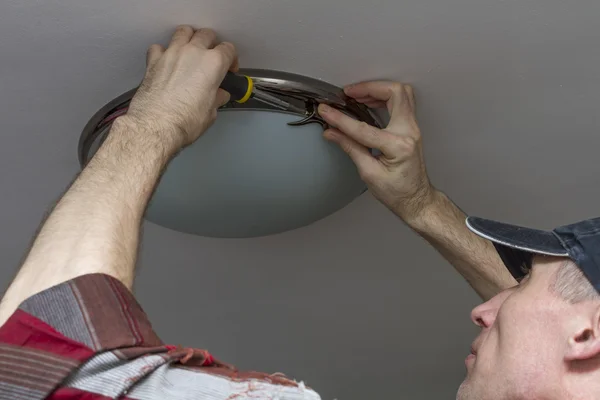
x: 442, y: 224
x: 95, y: 227
x: 398, y: 178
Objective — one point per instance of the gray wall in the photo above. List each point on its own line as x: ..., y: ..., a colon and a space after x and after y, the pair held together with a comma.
x: 356, y: 304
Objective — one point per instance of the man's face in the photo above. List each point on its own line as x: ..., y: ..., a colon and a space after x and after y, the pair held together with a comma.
x: 519, y: 353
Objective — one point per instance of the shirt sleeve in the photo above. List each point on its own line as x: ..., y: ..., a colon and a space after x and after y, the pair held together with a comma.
x: 88, y: 338
x: 55, y: 331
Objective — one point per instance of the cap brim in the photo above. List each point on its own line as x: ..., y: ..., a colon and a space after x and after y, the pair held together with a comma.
x: 517, y: 245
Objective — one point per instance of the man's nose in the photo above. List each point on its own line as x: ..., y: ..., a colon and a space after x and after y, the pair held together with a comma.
x: 485, y: 314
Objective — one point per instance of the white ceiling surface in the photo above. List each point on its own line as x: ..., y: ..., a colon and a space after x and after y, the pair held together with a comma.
x: 508, y: 93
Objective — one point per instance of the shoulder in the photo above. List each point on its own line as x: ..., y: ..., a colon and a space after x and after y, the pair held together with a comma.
x: 90, y: 335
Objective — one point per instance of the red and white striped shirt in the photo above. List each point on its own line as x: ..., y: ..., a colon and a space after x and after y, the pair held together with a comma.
x: 89, y: 339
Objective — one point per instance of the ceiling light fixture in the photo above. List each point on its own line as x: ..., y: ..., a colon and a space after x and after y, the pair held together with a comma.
x: 258, y: 170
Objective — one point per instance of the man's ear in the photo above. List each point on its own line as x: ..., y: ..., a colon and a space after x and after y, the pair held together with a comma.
x: 584, y: 342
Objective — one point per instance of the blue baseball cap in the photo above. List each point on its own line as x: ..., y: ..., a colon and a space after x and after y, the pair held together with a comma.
x: 517, y: 245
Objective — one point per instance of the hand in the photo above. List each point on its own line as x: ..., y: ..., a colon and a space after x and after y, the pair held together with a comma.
x: 180, y: 93
x: 397, y: 177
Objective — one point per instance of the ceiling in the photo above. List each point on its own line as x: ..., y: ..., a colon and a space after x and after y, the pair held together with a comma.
x: 356, y: 304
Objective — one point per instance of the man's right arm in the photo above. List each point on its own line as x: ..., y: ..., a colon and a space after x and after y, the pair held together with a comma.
x: 442, y: 224
x: 398, y: 178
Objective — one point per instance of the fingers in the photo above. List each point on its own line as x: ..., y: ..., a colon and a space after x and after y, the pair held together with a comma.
x: 204, y: 38
x: 399, y: 98
x: 411, y: 96
x: 154, y: 53
x: 373, y: 103
x: 376, y: 90
x: 361, y: 132
x: 359, y: 154
x: 229, y: 53
x: 182, y: 36
x: 222, y: 98
x: 402, y: 115
x: 235, y: 66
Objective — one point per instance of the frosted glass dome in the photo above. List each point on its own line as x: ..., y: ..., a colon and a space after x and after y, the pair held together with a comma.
x: 251, y: 174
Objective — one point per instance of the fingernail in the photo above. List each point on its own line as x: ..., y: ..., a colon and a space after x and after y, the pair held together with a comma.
x: 324, y: 108
x: 329, y: 134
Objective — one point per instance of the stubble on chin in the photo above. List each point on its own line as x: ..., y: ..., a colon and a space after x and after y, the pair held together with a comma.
x: 464, y: 392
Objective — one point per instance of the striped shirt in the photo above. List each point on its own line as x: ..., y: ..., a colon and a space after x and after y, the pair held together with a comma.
x: 89, y: 339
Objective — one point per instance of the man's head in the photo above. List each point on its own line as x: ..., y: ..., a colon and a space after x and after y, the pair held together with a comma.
x: 541, y: 338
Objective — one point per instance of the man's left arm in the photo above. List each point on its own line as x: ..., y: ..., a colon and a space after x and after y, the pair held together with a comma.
x: 95, y: 227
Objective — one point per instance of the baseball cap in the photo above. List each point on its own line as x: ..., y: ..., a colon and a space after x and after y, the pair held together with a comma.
x: 517, y: 245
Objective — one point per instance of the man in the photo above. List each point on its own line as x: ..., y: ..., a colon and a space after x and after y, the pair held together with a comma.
x: 72, y: 329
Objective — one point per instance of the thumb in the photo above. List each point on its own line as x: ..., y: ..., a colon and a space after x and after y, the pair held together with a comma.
x: 402, y: 110
x: 222, y: 98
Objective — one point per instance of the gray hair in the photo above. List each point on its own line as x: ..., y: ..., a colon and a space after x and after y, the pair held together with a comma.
x: 572, y: 285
